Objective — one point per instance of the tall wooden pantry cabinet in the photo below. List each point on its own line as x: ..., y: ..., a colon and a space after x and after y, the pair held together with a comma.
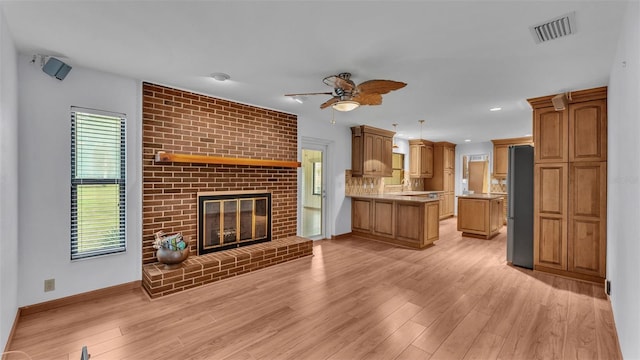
x: 570, y: 185
x: 443, y: 179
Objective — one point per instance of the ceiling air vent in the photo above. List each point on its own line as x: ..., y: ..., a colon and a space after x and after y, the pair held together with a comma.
x: 556, y: 28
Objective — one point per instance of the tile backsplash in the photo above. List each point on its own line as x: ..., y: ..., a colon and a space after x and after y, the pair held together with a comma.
x: 374, y: 185
x: 498, y: 185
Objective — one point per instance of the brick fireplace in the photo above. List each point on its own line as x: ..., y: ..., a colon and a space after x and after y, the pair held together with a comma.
x: 182, y: 122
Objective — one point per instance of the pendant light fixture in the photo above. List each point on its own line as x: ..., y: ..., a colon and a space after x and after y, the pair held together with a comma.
x: 421, y: 123
x: 395, y: 130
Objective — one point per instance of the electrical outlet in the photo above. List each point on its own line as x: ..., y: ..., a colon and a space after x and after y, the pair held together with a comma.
x: 49, y: 285
x: 607, y: 287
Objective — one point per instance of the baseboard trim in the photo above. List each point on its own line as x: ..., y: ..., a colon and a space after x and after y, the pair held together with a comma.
x: 74, y: 299
x: 7, y: 346
x: 341, y: 236
x: 571, y: 275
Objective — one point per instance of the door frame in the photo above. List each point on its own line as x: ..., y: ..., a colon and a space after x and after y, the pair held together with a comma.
x: 326, y: 146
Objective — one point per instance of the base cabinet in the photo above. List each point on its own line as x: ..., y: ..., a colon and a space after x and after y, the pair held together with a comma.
x: 361, y: 215
x: 480, y: 216
x: 408, y: 223
x: 384, y: 218
x: 550, y: 215
x: 587, y: 229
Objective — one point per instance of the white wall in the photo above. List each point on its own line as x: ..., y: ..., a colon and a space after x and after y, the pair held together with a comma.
x: 8, y: 183
x: 338, y: 160
x: 44, y: 175
x: 623, y: 227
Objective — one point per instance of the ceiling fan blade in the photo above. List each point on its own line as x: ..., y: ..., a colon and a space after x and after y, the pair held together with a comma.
x: 380, y: 86
x: 329, y: 102
x: 365, y: 98
x: 313, y: 93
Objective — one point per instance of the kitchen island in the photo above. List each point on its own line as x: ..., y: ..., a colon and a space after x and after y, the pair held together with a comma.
x: 408, y: 219
x: 480, y: 215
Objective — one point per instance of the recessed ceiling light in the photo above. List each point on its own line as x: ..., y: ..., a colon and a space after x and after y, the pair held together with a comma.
x: 401, y: 134
x: 220, y: 76
x: 495, y: 108
x: 467, y: 140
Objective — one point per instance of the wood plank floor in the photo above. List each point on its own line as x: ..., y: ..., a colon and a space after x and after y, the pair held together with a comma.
x: 355, y: 299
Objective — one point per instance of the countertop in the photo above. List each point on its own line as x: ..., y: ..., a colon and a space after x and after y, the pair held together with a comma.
x: 489, y: 196
x: 412, y: 196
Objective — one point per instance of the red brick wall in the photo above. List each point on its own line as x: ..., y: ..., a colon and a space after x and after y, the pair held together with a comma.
x: 188, y: 123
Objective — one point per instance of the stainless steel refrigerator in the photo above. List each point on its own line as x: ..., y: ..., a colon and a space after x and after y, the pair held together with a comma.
x: 520, y: 207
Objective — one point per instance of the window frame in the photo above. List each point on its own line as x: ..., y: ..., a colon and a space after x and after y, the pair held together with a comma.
x: 77, y: 182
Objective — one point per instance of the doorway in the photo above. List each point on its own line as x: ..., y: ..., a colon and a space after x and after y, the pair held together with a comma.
x: 478, y: 176
x: 475, y: 173
x: 313, y: 193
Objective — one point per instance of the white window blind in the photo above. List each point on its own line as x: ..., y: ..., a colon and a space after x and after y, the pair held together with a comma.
x: 97, y: 183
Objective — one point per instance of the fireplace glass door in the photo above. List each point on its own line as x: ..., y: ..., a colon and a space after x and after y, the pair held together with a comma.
x: 226, y: 222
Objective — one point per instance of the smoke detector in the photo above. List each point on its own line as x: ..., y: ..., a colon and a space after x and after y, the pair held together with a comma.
x: 558, y: 27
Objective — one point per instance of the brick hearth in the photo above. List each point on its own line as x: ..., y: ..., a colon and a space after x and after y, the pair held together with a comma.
x: 204, y: 269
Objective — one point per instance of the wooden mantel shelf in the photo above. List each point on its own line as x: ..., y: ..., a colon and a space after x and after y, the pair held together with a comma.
x: 162, y: 156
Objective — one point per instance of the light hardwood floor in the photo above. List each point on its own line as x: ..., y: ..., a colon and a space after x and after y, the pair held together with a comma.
x: 355, y: 299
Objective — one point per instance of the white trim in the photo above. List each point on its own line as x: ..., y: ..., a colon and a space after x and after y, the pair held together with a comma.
x: 327, y: 147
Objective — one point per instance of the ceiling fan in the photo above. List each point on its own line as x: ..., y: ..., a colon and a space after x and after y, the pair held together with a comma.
x: 347, y: 96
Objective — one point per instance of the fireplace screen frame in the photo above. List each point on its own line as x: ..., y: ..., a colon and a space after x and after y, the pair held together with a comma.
x: 224, y: 235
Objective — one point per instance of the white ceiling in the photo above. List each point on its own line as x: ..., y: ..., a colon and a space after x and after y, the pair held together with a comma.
x: 459, y: 58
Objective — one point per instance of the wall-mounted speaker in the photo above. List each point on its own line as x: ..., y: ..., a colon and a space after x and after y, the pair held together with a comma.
x: 56, y: 68
x: 559, y: 102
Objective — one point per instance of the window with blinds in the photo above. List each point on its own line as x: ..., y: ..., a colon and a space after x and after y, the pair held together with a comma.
x: 97, y: 183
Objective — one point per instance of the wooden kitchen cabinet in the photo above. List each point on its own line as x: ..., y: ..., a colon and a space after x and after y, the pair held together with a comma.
x: 361, y: 215
x: 550, y: 134
x: 550, y: 215
x: 570, y: 188
x: 588, y: 131
x: 501, y: 154
x: 443, y: 178
x: 420, y: 158
x: 480, y: 215
x: 406, y: 221
x: 449, y: 156
x: 587, y: 228
x: 384, y: 218
x: 371, y: 151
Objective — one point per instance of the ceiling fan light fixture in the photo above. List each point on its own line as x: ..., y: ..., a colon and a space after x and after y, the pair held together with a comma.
x: 346, y: 105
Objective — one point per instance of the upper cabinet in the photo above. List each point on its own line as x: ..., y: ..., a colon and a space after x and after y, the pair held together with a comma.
x: 420, y: 159
x: 371, y: 151
x: 501, y: 154
x: 550, y: 134
x: 577, y: 133
x: 588, y: 131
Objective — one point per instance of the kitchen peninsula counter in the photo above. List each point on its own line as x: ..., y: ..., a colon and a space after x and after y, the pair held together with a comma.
x: 408, y: 219
x: 480, y: 215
